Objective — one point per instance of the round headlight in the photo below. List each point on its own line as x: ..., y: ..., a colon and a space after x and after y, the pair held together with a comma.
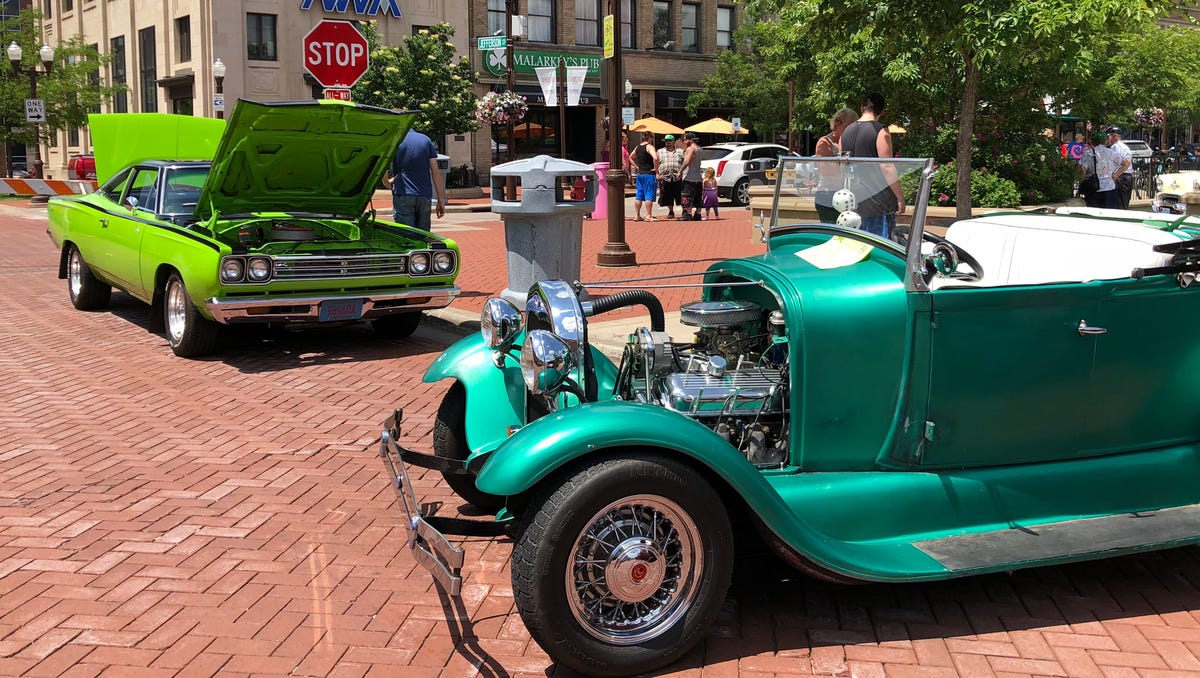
x: 545, y: 361
x: 1196, y: 184
x: 418, y: 264
x: 500, y: 323
x: 443, y: 262
x: 259, y: 269
x: 232, y: 269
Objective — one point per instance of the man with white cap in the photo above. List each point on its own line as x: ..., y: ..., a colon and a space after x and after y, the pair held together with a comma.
x: 1124, y: 172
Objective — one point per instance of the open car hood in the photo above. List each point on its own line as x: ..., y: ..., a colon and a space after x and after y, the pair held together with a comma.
x: 323, y: 157
x: 123, y: 139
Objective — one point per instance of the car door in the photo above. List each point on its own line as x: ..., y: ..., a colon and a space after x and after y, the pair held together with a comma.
x: 1010, y: 374
x: 1144, y: 386
x: 123, y: 232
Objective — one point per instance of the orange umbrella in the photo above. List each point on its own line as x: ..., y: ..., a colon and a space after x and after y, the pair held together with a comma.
x: 717, y: 125
x: 654, y: 126
x: 531, y: 129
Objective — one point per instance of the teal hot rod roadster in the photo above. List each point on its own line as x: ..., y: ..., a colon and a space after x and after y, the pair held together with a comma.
x: 1014, y: 391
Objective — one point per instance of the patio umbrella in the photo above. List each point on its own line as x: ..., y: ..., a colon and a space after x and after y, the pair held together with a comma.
x: 896, y: 129
x: 654, y: 126
x: 716, y: 125
x: 531, y: 129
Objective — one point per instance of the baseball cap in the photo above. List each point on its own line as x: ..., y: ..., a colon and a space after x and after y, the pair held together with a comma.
x: 690, y: 136
x: 1112, y: 129
x: 669, y: 137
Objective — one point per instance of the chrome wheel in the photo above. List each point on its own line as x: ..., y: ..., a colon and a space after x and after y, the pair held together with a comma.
x: 634, y: 570
x: 75, y: 273
x: 176, y: 311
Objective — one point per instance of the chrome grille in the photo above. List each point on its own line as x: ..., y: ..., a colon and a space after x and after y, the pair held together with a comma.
x: 321, y: 267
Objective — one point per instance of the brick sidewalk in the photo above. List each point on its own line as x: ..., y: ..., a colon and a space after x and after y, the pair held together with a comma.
x: 165, y: 517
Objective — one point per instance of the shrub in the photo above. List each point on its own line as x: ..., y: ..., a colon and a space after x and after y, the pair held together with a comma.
x: 987, y: 189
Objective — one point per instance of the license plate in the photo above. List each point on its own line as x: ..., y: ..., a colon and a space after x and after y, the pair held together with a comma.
x: 340, y: 309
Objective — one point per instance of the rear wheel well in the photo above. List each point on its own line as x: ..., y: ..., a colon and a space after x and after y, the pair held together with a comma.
x: 157, y: 324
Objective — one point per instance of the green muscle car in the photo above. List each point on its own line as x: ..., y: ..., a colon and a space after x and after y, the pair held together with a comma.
x: 265, y: 220
x: 1015, y: 392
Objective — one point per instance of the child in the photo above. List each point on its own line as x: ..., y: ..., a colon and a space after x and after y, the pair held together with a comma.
x: 709, y: 199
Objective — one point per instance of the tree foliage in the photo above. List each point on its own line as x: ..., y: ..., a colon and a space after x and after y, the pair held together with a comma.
x: 426, y: 75
x: 70, y: 90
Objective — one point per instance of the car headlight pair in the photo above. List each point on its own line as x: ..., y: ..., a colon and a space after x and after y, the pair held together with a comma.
x: 439, y: 263
x: 246, y: 269
x: 546, y: 360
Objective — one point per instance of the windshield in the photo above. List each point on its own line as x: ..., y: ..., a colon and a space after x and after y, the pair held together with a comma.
x: 714, y: 153
x: 183, y: 190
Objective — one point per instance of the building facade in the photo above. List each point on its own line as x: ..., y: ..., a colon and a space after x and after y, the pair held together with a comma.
x: 164, y: 52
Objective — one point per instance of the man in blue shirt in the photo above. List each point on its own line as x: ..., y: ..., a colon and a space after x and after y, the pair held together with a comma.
x: 414, y: 177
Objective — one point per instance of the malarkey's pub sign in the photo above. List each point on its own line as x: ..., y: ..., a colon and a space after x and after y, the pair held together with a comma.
x: 525, y: 61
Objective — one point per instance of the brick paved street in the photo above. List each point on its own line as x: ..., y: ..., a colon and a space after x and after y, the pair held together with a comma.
x: 228, y: 516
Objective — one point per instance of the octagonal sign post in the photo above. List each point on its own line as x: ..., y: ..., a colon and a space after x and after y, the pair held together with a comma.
x: 336, y: 54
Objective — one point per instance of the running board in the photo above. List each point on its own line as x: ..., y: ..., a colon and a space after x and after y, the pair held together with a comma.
x: 1067, y: 539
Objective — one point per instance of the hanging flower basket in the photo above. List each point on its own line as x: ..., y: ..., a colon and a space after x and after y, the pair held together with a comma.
x: 1148, y: 117
x: 500, y: 108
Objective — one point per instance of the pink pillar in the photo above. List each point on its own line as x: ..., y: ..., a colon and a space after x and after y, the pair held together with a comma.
x: 600, y: 211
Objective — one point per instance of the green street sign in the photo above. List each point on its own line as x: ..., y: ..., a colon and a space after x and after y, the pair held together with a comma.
x: 493, y: 42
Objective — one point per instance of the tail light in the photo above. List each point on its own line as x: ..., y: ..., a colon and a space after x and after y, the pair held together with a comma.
x: 721, y: 167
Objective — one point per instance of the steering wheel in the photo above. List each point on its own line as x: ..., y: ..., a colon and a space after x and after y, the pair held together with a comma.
x: 946, y: 249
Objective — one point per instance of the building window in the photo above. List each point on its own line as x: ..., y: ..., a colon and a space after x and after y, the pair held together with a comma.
x: 496, y: 18
x: 724, y: 28
x: 183, y: 38
x: 68, y: 5
x: 73, y: 137
x: 541, y: 21
x: 416, y: 29
x: 116, y: 48
x: 260, y: 37
x: 662, y: 24
x: 691, y: 27
x: 9, y: 8
x: 149, y: 70
x: 47, y: 5
x: 587, y: 22
x: 627, y: 31
x: 93, y: 77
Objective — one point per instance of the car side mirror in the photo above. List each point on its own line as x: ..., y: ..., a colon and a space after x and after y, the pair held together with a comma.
x: 131, y: 202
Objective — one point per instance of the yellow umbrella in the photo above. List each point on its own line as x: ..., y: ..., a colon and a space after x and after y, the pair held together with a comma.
x: 654, y: 126
x: 896, y: 129
x: 716, y: 125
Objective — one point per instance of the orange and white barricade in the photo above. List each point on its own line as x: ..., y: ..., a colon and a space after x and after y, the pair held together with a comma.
x: 45, y: 186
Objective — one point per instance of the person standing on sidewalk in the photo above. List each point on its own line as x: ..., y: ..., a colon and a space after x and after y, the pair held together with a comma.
x: 414, y: 178
x: 692, y: 188
x: 882, y: 198
x: 670, y: 181
x: 1124, y: 173
x: 645, y: 160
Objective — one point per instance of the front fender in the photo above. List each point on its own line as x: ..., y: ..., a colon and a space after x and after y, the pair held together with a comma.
x: 537, y: 450
x: 496, y: 396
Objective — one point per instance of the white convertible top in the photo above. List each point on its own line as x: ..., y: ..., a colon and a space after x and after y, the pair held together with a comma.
x: 1036, y: 249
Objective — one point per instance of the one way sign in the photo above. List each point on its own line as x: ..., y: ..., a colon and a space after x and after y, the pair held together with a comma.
x: 35, y: 110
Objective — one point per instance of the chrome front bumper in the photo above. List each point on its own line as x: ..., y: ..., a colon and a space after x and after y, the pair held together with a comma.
x: 307, y: 309
x: 430, y: 547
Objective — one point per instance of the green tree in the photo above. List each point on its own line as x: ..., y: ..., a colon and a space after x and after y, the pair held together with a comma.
x: 70, y: 90
x: 1001, y: 54
x: 426, y: 75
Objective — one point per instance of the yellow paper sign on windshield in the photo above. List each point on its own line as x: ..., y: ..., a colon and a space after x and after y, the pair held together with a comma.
x: 837, y: 252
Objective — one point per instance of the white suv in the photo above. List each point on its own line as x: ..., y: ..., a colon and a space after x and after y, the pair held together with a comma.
x: 739, y: 164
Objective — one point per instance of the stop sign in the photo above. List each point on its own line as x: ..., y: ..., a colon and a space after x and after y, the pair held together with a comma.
x: 335, y: 53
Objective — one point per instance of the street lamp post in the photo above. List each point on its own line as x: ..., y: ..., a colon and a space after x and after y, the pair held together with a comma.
x: 616, y: 251
x: 47, y: 55
x: 219, y: 77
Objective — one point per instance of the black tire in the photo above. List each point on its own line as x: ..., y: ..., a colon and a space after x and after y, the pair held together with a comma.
x: 398, y: 325
x: 450, y: 441
x: 741, y: 193
x: 583, y: 534
x: 190, y: 334
x: 85, y: 289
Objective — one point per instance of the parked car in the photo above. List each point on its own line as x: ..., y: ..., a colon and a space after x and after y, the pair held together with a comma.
x: 1139, y: 148
x: 1011, y: 395
x: 81, y: 167
x: 1178, y: 193
x: 263, y: 221
x: 740, y: 165
x: 19, y: 171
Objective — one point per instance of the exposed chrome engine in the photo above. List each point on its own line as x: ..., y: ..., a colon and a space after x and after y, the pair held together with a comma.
x: 733, y: 377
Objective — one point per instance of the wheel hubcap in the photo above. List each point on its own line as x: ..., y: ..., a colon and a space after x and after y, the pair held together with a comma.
x: 75, y: 273
x: 176, y: 311
x: 634, y: 570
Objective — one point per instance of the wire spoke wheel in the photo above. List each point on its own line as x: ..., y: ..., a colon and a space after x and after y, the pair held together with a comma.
x: 634, y: 570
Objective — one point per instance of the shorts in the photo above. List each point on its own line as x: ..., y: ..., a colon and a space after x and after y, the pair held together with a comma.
x: 879, y: 224
x: 670, y: 193
x: 647, y: 187
x: 691, y: 194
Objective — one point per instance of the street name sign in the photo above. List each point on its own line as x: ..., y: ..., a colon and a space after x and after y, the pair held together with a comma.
x: 493, y: 42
